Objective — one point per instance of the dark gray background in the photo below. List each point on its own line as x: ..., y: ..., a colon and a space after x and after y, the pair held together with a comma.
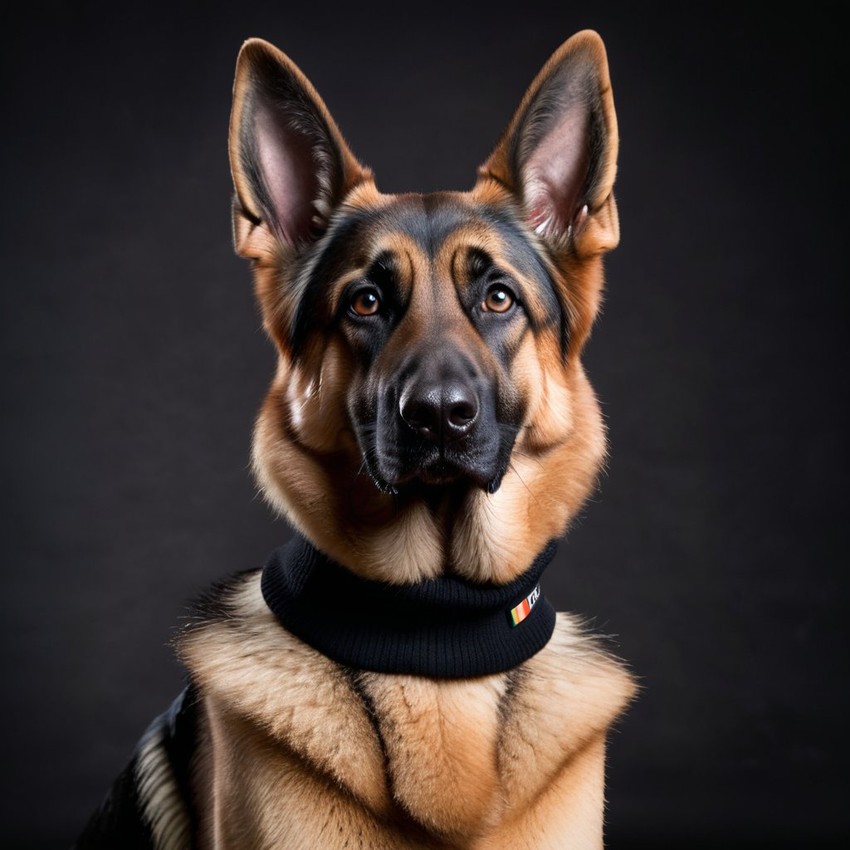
x: 134, y: 363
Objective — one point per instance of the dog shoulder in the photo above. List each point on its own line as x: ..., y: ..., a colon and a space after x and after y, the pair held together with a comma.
x: 578, y: 670
x: 252, y: 673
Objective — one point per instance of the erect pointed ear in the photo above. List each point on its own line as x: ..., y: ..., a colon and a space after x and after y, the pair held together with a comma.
x: 559, y: 153
x: 289, y: 162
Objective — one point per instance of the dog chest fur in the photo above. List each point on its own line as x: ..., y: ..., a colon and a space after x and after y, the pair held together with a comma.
x: 299, y: 751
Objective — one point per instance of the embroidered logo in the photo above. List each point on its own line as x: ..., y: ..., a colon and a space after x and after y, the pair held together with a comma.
x: 518, y: 614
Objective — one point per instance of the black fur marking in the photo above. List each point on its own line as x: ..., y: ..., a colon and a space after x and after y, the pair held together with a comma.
x: 370, y: 333
x: 524, y: 257
x: 342, y: 247
x: 180, y: 744
x: 597, y: 145
x: 123, y: 818
x: 217, y: 605
x: 355, y: 680
x: 498, y: 330
x: 515, y: 681
x: 119, y: 822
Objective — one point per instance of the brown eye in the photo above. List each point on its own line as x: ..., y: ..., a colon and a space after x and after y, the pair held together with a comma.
x: 366, y: 302
x: 498, y: 300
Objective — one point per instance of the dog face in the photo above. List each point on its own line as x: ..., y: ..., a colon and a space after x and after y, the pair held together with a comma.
x: 429, y: 411
x: 432, y: 298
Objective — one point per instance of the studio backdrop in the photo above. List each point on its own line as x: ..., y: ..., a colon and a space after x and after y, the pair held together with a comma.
x: 714, y: 552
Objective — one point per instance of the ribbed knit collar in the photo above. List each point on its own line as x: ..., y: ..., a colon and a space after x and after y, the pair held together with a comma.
x: 444, y: 627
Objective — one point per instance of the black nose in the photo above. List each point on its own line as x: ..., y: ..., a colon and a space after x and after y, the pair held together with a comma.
x: 439, y: 410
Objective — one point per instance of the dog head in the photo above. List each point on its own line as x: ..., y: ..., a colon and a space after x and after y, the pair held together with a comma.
x: 429, y: 410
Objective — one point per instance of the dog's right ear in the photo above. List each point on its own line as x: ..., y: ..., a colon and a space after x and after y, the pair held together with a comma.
x: 289, y: 162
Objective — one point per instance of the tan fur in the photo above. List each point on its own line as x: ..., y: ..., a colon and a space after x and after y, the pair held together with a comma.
x: 298, y: 752
x: 511, y: 760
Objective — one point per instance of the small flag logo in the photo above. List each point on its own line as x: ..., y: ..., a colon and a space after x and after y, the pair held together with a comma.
x: 518, y: 614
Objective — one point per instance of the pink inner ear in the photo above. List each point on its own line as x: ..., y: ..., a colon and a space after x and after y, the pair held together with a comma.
x: 288, y: 171
x: 555, y: 172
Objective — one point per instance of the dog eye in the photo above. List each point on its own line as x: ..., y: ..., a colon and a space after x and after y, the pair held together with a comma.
x: 498, y: 300
x: 366, y: 302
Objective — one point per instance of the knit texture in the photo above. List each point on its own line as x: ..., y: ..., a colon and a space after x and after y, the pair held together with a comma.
x: 442, y: 628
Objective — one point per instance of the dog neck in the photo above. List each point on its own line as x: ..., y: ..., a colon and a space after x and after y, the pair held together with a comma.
x: 445, y: 627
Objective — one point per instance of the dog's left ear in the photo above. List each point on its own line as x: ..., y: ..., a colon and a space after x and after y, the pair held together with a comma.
x: 290, y: 164
x: 559, y: 153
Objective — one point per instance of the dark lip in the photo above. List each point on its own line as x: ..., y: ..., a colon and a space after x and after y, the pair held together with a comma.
x: 430, y: 486
x: 406, y: 467
x: 442, y: 473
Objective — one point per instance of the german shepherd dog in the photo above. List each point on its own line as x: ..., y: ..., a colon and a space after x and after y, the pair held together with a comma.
x: 394, y: 677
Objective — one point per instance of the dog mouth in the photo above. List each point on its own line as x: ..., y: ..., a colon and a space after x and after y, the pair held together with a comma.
x: 441, y: 475
x: 405, y: 467
x: 441, y: 472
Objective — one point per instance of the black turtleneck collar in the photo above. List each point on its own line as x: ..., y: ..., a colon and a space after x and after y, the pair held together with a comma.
x: 443, y: 627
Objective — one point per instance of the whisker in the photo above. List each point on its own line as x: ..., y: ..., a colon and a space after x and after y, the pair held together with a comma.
x: 521, y: 480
